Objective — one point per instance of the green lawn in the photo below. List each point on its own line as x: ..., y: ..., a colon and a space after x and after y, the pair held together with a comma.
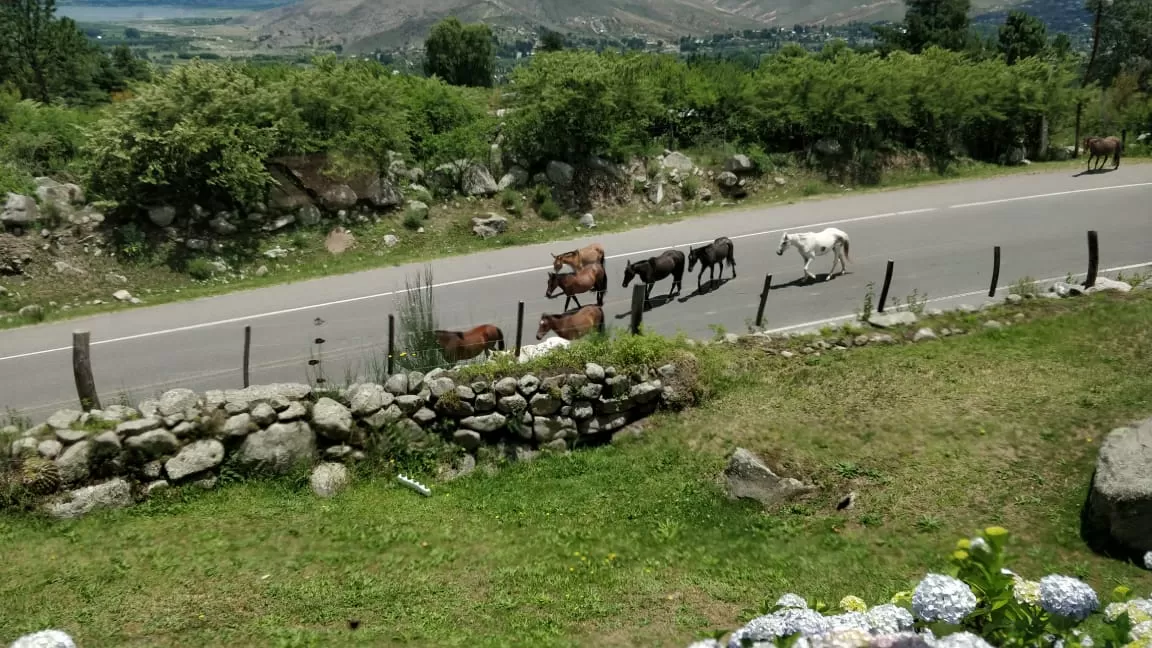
x: 635, y: 544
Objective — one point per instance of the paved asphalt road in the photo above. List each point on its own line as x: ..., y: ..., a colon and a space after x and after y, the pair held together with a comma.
x: 941, y: 238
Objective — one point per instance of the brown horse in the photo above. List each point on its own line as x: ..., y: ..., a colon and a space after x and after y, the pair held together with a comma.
x: 462, y: 345
x: 593, y: 253
x: 590, y: 277
x: 571, y: 326
x: 1103, y: 147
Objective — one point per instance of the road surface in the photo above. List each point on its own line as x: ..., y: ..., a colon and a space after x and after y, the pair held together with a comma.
x: 940, y: 237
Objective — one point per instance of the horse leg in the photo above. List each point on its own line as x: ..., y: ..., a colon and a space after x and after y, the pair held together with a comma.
x: 808, y: 262
x: 835, y: 259
x: 577, y: 300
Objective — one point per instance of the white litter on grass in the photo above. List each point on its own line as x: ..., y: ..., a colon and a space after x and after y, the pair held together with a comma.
x: 414, y: 485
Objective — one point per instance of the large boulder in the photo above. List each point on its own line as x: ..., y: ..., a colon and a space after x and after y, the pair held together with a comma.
x: 488, y: 226
x: 478, y: 181
x: 112, y: 494
x: 1120, y: 503
x: 280, y: 448
x: 195, y: 457
x: 678, y: 161
x: 19, y: 211
x: 560, y: 173
x: 61, y: 194
x: 748, y: 477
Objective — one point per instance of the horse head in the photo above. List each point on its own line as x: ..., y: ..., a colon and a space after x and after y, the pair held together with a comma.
x: 545, y: 326
x: 693, y: 254
x: 785, y: 239
x: 558, y: 260
x: 629, y: 273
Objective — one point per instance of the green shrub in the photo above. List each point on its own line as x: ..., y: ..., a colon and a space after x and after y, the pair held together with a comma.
x: 549, y: 210
x: 200, y: 269
x: 541, y: 193
x: 413, y: 220
x: 690, y: 187
x: 510, y: 200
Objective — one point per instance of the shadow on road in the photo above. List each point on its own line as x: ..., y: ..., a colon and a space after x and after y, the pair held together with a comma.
x: 803, y: 281
x: 705, y: 288
x: 652, y: 304
x: 1094, y: 172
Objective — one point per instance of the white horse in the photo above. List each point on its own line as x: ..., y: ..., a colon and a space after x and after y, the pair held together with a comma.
x: 813, y: 244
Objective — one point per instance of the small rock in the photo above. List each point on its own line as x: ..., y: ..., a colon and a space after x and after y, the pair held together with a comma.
x: 486, y: 423
x: 529, y: 384
x: 156, y: 486
x: 1104, y: 284
x: 390, y: 240
x: 162, y: 216
x: 177, y: 401
x: 74, y: 462
x: 924, y: 334
x: 366, y: 400
x: 397, y: 384
x: 261, y: 271
x: 787, y: 354
x: 294, y: 412
x: 424, y: 416
x: 588, y: 221
x: 239, y: 425
x: 332, y: 419
x: 505, y: 387
x: 112, y: 494
x: 1014, y: 299
x: 195, y: 457
x: 993, y: 324
x: 64, y: 419
x: 49, y: 449
x: 263, y: 414
x: 328, y: 479
x: 31, y: 311
x: 467, y: 439
x: 748, y: 477
x: 122, y: 295
x: 889, y: 320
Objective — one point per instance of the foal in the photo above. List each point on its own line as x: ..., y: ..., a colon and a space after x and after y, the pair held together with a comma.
x: 571, y: 326
x: 462, y: 345
x: 716, y: 252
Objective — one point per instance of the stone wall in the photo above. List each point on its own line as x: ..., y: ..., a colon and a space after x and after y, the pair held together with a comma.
x: 115, y: 456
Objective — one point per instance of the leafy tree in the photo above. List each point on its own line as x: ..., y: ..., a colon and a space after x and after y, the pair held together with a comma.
x: 131, y: 33
x: 47, y: 57
x: 551, y: 41
x: 1022, y: 35
x: 943, y: 23
x: 1125, y: 41
x: 460, y: 54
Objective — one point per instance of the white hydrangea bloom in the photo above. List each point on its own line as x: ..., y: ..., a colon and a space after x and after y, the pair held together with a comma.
x: 1026, y: 591
x: 44, y: 639
x: 961, y: 640
x: 849, y: 620
x: 978, y: 544
x: 1139, y: 610
x: 1067, y: 597
x: 900, y: 640
x: 889, y: 619
x: 707, y: 643
x: 782, y: 623
x: 842, y: 638
x: 790, y: 600
x: 942, y: 598
x: 1142, y: 630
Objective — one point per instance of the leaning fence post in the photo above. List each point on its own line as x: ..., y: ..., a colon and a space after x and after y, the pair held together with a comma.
x: 995, y: 271
x: 763, y: 301
x: 1093, y: 259
x: 391, y: 342
x: 887, y: 284
x: 82, y: 371
x: 637, y: 308
x: 247, y: 352
x: 519, y: 327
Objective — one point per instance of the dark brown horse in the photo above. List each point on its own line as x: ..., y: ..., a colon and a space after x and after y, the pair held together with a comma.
x: 571, y: 326
x: 590, y: 277
x: 653, y: 269
x: 715, y: 253
x: 1103, y: 147
x: 462, y: 345
x: 593, y: 253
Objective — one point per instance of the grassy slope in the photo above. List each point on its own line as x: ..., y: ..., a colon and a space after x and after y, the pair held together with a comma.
x: 448, y: 233
x: 634, y: 544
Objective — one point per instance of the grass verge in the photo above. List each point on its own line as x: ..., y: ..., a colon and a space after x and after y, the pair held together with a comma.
x: 91, y: 280
x: 635, y: 543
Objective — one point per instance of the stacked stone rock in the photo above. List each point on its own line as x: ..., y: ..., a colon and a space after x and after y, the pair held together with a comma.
x: 185, y: 438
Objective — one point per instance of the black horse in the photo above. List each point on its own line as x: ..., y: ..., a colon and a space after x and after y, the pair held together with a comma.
x: 653, y: 269
x: 716, y: 252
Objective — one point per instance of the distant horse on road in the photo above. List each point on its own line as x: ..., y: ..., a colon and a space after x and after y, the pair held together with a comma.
x: 653, y: 269
x: 590, y: 277
x: 462, y: 345
x: 711, y: 255
x: 592, y: 253
x: 813, y: 244
x: 571, y: 326
x: 1102, y: 147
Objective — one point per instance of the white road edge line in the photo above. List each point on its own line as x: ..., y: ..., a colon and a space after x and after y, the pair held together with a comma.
x: 841, y: 318
x: 288, y: 311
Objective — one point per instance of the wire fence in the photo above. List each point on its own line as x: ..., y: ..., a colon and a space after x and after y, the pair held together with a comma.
x: 422, y: 334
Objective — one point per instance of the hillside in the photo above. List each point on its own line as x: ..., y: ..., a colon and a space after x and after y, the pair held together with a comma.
x: 360, y: 25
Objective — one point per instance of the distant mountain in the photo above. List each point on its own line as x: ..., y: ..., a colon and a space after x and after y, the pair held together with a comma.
x: 363, y: 25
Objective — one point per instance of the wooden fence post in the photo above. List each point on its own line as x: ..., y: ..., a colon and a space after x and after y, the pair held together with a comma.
x: 995, y: 271
x: 82, y: 371
x: 637, y: 308
x: 887, y: 284
x: 763, y: 301
x: 519, y: 327
x: 247, y: 352
x: 1093, y: 259
x: 391, y: 342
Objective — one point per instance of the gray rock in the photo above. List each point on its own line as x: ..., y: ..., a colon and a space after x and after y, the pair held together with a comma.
x: 153, y: 444
x: 207, y: 483
x: 883, y: 338
x: 616, y: 405
x: 588, y: 221
x: 467, y: 439
x: 678, y: 161
x: 418, y: 208
x: 296, y: 411
x: 49, y: 449
x: 543, y: 404
x: 328, y: 479
x: 241, y: 400
x: 71, y: 436
x: 74, y: 463
x: 594, y: 372
x: 993, y: 324
x: 749, y: 478
x: 195, y: 457
x: 409, y: 404
x: 152, y: 469
x: 156, y: 486
x: 440, y: 386
x: 591, y: 391
x: 466, y: 393
x: 397, y: 385
x: 485, y: 423
x: 332, y: 419
x: 924, y: 334
x: 505, y: 387
x: 489, y: 226
x: 515, y: 178
x: 424, y: 416
x: 727, y: 180
x: 279, y: 448
x: 478, y: 181
x: 546, y: 429
x: 1014, y: 299
x: 512, y: 404
x: 19, y: 210
x: 529, y: 384
x: 485, y: 402
x: 603, y: 423
x: 162, y: 216
x: 415, y: 381
x: 64, y: 419
x: 583, y: 410
x: 31, y: 311
x: 455, y: 406
x: 1104, y: 284
x: 1120, y: 501
x: 390, y: 240
x: 178, y: 401
x: 338, y: 452
x: 115, y: 493
x: 24, y: 446
x: 385, y: 417
x: 895, y: 318
x: 667, y: 371
x: 239, y: 425
x: 410, y: 431
x: 106, y: 444
x: 263, y: 414
x: 560, y: 173
x: 366, y: 400
x: 739, y: 163
x: 646, y: 392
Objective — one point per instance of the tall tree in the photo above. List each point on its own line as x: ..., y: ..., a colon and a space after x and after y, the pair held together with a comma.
x: 943, y: 23
x: 1125, y: 40
x: 26, y: 31
x: 460, y: 54
x: 1022, y: 35
x: 551, y: 41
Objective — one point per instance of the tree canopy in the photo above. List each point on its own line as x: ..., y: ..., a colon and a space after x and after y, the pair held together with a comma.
x: 462, y: 55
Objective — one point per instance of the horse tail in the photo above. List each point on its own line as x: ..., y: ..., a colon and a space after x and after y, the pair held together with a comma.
x: 499, y: 338
x: 731, y: 253
x: 847, y: 245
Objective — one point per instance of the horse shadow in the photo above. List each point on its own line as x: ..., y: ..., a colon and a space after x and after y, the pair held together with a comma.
x: 651, y: 304
x: 1105, y: 169
x: 705, y: 288
x: 802, y: 281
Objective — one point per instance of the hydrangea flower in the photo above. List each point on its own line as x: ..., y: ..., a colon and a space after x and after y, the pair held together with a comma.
x: 978, y: 544
x: 849, y: 620
x: 843, y: 638
x: 1142, y: 630
x: 1139, y: 610
x: 779, y: 624
x: 901, y: 598
x: 961, y: 640
x: 792, y: 601
x: 707, y: 643
x: 889, y: 618
x: 1067, y: 597
x: 853, y: 604
x: 1025, y: 591
x: 942, y: 598
x: 44, y: 639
